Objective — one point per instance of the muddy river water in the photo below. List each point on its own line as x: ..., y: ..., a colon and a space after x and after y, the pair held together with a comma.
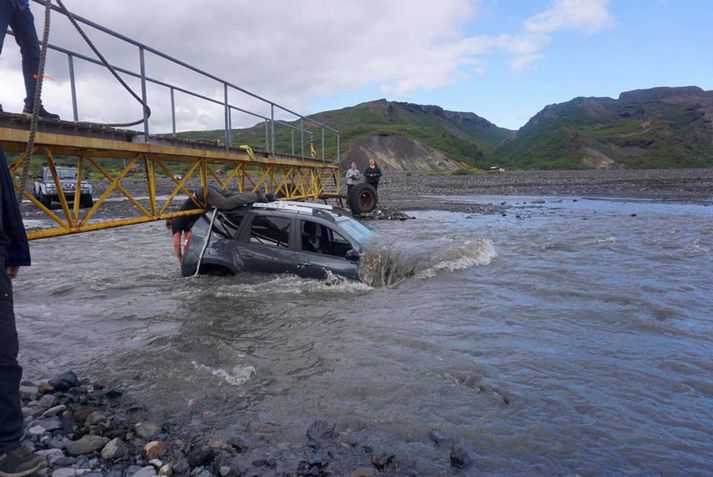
x: 575, y: 338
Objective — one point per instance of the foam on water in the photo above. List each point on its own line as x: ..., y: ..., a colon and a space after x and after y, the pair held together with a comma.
x: 238, y: 376
x: 472, y: 253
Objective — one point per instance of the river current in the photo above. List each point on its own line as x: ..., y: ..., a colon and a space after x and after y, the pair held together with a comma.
x: 569, y: 336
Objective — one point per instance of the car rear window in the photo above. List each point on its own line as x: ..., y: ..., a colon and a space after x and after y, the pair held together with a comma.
x: 268, y: 230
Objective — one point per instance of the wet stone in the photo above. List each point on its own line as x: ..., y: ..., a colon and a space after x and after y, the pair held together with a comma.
x: 86, y: 444
x: 459, y: 457
x: 114, y: 449
x: 362, y: 472
x: 154, y: 450
x: 47, y: 401
x: 147, y: 430
x: 53, y: 411
x: 147, y: 471
x: 65, y: 461
x: 438, y: 437
x: 63, y: 472
x: 321, y: 430
x: 200, y: 456
x: 65, y: 381
x: 381, y: 460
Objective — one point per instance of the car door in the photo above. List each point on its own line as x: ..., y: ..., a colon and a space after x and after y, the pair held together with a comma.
x: 322, y: 248
x: 265, y: 245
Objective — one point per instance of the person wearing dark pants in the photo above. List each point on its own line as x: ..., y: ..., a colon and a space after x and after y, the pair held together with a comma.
x: 15, y: 460
x: 372, y: 174
x: 16, y: 14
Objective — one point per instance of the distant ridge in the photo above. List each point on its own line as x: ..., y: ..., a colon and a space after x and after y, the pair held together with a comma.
x: 661, y: 127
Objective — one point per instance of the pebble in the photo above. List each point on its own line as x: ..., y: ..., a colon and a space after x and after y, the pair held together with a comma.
x: 147, y: 430
x: 362, y: 472
x: 63, y: 472
x: 53, y: 411
x: 86, y: 444
x: 47, y: 401
x: 36, y: 430
x: 65, y: 381
x: 51, y: 455
x: 147, y: 471
x: 114, y: 449
x: 154, y: 450
x: 459, y: 457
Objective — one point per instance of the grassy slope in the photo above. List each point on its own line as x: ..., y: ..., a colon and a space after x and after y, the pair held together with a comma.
x: 461, y: 137
x: 642, y: 130
x: 660, y: 127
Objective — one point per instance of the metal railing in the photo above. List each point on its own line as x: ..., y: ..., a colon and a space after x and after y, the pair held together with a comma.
x: 227, y: 103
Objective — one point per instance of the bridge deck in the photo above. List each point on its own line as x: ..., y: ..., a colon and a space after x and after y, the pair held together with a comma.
x: 116, y: 157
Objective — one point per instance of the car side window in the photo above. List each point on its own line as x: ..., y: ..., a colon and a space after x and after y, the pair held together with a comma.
x: 318, y: 238
x: 228, y: 225
x: 274, y: 231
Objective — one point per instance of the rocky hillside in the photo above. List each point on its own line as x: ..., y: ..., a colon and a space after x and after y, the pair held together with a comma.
x: 653, y: 128
x: 401, y: 136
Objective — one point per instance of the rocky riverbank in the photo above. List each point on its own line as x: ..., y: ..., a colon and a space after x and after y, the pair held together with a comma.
x: 405, y: 191
x: 84, y: 428
x: 419, y: 191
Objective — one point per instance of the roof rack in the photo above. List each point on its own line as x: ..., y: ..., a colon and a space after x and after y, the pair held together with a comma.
x: 307, y: 208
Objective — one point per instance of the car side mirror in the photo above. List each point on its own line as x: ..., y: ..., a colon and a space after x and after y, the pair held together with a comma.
x: 353, y: 255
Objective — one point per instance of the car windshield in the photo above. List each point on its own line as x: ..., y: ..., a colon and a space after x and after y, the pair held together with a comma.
x: 65, y: 174
x: 356, y: 230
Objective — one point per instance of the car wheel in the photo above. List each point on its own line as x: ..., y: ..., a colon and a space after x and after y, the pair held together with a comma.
x: 45, y: 199
x: 362, y: 198
x: 86, y: 201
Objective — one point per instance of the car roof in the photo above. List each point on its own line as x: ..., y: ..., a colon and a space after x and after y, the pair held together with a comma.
x: 307, y: 209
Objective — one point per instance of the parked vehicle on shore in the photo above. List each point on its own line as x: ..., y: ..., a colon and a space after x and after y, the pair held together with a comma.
x: 306, y: 239
x: 45, y: 188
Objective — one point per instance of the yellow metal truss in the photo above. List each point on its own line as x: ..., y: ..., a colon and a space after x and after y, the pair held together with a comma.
x: 287, y: 177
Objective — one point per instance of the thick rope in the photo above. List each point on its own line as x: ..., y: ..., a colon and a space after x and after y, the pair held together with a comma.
x: 36, y: 105
x: 145, y: 106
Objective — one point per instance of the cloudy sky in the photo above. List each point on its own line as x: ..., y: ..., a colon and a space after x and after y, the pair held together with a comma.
x: 502, y: 59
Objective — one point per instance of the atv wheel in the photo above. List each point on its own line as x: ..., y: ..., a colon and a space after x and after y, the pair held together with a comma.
x: 362, y: 199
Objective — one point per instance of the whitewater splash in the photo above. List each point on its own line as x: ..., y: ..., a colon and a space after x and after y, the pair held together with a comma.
x: 239, y: 375
x: 387, y: 265
x: 472, y: 253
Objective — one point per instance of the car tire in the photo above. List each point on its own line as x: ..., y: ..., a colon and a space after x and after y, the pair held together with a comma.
x: 362, y: 198
x: 86, y: 201
x: 44, y: 199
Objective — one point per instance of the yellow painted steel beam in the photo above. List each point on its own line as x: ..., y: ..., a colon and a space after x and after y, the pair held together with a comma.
x: 292, y: 179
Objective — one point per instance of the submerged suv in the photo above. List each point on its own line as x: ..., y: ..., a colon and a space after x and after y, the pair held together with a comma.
x: 306, y: 239
x: 45, y: 189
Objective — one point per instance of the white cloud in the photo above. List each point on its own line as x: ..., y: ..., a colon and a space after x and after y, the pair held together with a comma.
x: 292, y: 52
x: 589, y: 16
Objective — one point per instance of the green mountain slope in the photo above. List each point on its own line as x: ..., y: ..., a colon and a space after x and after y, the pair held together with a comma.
x: 429, y: 130
x: 653, y: 128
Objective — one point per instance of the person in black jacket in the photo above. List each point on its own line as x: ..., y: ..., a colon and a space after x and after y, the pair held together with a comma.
x: 372, y: 174
x: 15, y: 460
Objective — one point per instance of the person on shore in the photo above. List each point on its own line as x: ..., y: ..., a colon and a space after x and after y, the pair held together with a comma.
x: 352, y: 177
x: 15, y: 460
x: 16, y: 14
x: 373, y: 174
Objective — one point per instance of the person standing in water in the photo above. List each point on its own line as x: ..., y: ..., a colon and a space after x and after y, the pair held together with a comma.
x: 373, y: 174
x: 353, y: 177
